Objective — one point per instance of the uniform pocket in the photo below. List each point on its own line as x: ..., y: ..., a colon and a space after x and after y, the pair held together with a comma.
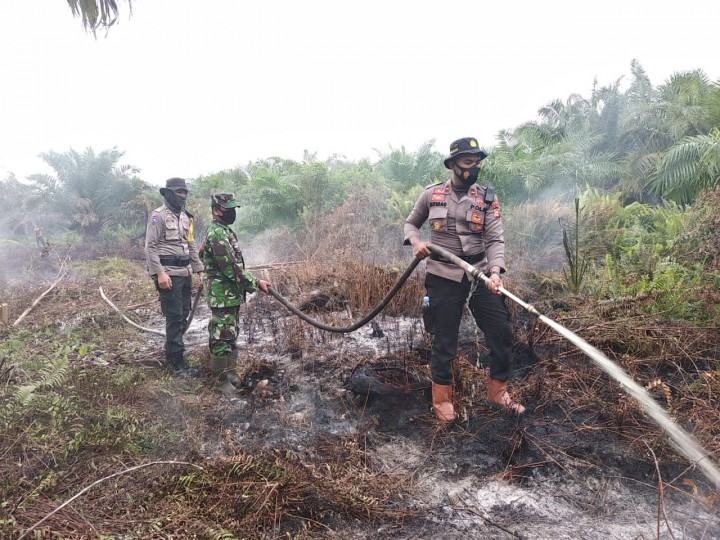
x: 437, y: 218
x: 172, y: 231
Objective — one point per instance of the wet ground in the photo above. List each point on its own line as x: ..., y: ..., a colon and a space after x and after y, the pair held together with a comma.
x: 487, y: 476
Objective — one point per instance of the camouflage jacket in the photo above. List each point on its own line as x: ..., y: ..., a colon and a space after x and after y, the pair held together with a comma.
x: 226, y: 280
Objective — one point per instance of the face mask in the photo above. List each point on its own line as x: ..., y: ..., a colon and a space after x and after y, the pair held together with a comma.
x: 469, y: 175
x: 228, y: 216
x: 174, y: 201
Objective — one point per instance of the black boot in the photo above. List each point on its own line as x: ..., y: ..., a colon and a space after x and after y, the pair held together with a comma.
x: 180, y: 367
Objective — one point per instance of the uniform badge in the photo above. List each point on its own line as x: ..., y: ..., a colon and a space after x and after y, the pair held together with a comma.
x: 436, y: 225
x: 438, y: 197
x: 496, y: 209
x: 476, y: 217
x: 153, y: 220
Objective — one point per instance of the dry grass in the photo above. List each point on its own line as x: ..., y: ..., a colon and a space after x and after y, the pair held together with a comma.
x: 142, y: 415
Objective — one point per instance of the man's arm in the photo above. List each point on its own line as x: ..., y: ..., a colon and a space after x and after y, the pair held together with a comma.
x: 414, y: 221
x: 154, y: 234
x: 494, y: 238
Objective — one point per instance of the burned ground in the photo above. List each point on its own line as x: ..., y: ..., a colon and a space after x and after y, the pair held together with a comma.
x: 332, y: 435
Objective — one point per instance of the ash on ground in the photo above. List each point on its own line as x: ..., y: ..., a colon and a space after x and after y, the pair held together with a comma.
x: 489, y: 475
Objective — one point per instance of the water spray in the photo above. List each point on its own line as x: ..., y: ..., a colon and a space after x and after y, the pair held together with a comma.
x: 681, y: 440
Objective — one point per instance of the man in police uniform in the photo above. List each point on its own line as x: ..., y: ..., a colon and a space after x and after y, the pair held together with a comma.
x: 172, y: 257
x: 226, y: 284
x: 465, y: 220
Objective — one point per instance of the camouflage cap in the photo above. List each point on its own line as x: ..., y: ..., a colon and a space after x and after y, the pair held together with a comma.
x: 226, y: 201
x: 466, y: 145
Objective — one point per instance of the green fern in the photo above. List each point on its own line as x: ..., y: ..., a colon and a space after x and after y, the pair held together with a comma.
x: 52, y: 375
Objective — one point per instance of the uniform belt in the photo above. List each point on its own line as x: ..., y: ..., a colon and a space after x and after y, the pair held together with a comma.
x: 174, y: 261
x: 470, y: 259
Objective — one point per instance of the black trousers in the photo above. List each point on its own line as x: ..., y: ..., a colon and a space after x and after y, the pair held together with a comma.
x: 175, y: 304
x: 447, y: 301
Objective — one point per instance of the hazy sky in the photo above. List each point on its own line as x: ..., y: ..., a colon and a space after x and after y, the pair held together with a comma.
x: 186, y: 88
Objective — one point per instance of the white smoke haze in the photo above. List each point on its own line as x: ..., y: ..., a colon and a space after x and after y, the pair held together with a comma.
x: 299, y: 77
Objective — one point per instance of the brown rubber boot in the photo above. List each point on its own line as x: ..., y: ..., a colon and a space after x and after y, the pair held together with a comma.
x: 442, y: 402
x: 230, y: 372
x: 498, y: 396
x: 218, y: 367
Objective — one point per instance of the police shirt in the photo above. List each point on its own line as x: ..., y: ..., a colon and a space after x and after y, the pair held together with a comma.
x: 462, y: 224
x: 171, y: 235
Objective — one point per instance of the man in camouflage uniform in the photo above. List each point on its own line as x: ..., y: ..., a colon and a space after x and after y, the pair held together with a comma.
x: 226, y: 284
x: 172, y: 257
x: 465, y: 220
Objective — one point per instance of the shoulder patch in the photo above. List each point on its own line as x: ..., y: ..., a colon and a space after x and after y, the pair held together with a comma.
x: 154, y: 219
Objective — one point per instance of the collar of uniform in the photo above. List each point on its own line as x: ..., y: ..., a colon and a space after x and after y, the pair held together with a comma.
x: 221, y: 224
x: 168, y: 209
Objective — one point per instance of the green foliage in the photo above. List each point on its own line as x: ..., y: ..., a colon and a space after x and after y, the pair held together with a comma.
x: 404, y: 170
x: 108, y: 268
x: 646, y: 141
x: 286, y: 193
x: 678, y: 291
x: 401, y: 204
x: 88, y: 191
x: 55, y: 406
x: 120, y: 234
x: 641, y: 255
x: 688, y: 167
x: 71, y: 238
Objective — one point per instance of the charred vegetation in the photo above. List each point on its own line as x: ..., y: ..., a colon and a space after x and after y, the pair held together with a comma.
x: 332, y: 436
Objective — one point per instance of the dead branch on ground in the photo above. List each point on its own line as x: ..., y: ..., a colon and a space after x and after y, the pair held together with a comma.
x: 62, y: 273
x: 143, y: 328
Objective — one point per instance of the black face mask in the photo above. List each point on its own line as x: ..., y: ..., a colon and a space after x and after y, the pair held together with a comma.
x: 174, y: 201
x: 228, y: 216
x: 469, y: 175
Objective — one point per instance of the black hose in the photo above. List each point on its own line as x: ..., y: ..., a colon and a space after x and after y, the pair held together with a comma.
x: 362, y: 322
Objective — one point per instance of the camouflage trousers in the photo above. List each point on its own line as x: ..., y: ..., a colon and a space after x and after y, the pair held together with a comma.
x: 223, y: 328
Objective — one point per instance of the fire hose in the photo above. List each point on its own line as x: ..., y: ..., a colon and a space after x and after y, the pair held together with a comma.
x: 682, y: 441
x: 193, y: 307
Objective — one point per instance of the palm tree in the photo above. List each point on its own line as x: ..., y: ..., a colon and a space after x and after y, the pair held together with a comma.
x: 88, y: 190
x: 407, y: 169
x: 96, y: 13
x: 17, y: 207
x: 688, y: 167
x: 655, y: 120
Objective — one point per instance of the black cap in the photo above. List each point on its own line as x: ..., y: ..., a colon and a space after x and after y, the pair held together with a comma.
x: 174, y: 184
x: 466, y: 145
